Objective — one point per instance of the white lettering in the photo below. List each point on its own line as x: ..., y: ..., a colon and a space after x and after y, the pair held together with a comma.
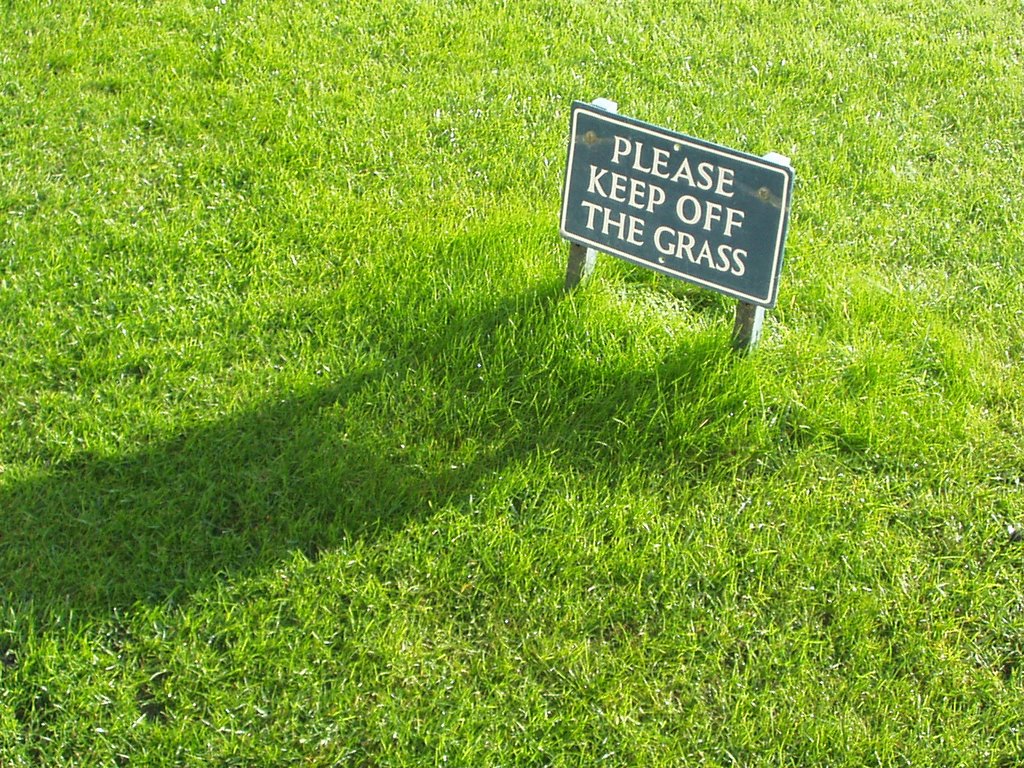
x: 738, y: 266
x: 620, y: 225
x: 644, y: 196
x: 704, y: 170
x: 711, y: 214
x: 725, y: 180
x: 704, y: 255
x: 636, y: 231
x: 592, y: 208
x: 681, y: 206
x: 733, y: 219
x: 594, y: 183
x: 683, y: 245
x: 637, y: 189
x: 622, y: 147
x: 684, y: 172
x: 651, y: 160
x: 666, y: 250
x: 722, y: 254
x: 659, y: 163
x: 618, y: 190
x: 637, y: 165
x: 617, y: 223
x: 691, y: 210
x: 710, y: 177
x: 656, y: 199
x: 686, y: 242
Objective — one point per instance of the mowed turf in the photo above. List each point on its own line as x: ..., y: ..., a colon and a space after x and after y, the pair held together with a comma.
x: 307, y: 459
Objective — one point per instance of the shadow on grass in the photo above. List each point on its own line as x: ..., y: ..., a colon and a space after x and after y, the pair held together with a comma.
x: 305, y: 474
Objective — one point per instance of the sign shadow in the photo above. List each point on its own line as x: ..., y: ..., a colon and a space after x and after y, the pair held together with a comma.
x: 304, y: 474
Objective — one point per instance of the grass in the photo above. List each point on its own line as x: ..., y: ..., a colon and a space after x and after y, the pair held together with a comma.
x: 307, y: 459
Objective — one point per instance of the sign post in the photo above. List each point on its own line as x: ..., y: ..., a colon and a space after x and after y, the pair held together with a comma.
x: 581, y: 258
x: 700, y: 212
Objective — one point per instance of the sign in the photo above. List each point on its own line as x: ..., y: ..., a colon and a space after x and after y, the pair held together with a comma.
x: 694, y: 210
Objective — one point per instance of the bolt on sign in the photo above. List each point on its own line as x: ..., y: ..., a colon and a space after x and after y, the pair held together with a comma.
x: 688, y: 208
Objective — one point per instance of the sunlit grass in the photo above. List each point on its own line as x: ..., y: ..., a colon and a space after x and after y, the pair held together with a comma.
x: 307, y: 458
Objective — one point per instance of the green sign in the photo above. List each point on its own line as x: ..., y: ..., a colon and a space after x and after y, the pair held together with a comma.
x: 694, y: 210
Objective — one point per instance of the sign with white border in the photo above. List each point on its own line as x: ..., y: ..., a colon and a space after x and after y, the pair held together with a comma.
x: 694, y: 210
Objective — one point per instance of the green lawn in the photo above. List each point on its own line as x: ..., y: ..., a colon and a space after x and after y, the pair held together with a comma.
x: 307, y: 459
